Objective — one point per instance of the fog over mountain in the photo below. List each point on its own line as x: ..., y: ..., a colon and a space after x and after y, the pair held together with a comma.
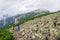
x: 13, y: 7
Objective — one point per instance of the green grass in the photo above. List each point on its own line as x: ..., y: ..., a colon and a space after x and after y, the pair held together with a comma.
x: 6, y: 35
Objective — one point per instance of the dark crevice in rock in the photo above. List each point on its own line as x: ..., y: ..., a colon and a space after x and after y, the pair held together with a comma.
x: 47, y: 38
x: 55, y: 23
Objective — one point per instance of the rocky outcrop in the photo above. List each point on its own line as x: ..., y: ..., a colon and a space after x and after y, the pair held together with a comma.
x: 44, y: 28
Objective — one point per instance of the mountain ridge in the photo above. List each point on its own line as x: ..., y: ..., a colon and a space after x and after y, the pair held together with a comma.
x: 39, y: 28
x: 10, y: 20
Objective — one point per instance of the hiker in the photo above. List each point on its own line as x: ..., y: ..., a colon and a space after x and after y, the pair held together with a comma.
x: 17, y: 24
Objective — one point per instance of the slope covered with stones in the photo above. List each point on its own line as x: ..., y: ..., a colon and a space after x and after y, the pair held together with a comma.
x: 42, y: 28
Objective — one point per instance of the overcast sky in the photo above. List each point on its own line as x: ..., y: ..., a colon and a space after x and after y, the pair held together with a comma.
x: 13, y: 7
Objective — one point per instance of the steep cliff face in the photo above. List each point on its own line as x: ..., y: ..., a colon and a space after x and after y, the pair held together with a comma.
x: 43, y: 28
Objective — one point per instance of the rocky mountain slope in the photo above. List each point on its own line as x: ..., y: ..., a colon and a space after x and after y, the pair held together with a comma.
x: 42, y: 28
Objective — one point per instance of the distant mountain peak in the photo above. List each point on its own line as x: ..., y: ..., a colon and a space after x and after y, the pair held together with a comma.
x: 40, y: 10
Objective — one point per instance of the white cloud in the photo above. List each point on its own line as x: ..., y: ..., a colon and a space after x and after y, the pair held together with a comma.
x: 16, y: 6
x: 56, y: 5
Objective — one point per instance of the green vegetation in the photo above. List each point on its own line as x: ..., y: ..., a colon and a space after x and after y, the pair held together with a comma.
x: 6, y: 35
x: 32, y: 18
